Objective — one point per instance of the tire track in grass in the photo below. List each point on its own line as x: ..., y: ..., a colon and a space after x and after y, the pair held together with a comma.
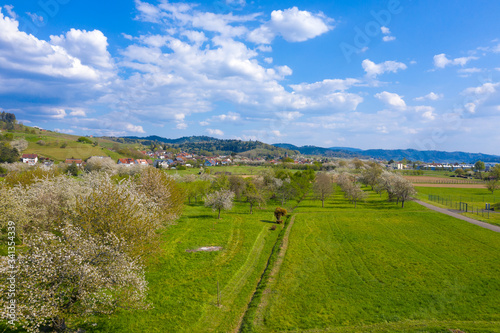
x: 212, y: 315
x: 259, y: 315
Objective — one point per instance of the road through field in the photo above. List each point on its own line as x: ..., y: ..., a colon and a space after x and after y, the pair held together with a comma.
x: 458, y: 216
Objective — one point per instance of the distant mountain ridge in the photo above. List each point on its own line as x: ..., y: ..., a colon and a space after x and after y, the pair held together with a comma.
x: 427, y: 156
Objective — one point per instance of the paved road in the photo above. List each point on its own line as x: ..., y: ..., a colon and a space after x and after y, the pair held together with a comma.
x: 458, y: 216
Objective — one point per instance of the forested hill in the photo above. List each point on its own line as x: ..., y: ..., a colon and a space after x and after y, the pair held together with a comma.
x: 205, y: 144
x: 396, y: 154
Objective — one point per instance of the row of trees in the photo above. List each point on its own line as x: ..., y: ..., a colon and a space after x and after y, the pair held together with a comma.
x: 85, y: 242
x: 219, y: 192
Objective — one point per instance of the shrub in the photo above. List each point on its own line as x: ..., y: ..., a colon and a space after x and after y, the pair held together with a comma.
x: 83, y: 139
x: 279, y: 213
x: 41, y: 143
x: 64, y: 145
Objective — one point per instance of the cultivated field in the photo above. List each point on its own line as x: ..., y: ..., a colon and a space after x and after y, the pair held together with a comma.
x: 380, y: 268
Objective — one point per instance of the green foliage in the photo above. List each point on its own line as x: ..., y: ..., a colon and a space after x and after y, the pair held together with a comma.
x: 479, y: 166
x: 8, y: 154
x: 72, y: 169
x: 279, y: 212
x: 83, y: 139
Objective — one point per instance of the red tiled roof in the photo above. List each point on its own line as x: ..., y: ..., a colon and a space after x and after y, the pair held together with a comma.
x: 30, y: 156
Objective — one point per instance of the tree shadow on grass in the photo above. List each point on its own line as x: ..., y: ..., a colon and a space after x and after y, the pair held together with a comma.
x: 206, y: 216
x: 267, y: 221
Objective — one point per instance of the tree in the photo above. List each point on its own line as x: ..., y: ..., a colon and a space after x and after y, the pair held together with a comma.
x: 403, y: 189
x: 354, y: 193
x: 60, y: 279
x: 371, y: 175
x: 492, y: 185
x: 323, y: 186
x: 459, y: 172
x: 495, y: 172
x: 220, y: 200
x: 253, y: 195
x: 237, y: 185
x: 279, y: 213
x: 358, y: 164
x: 20, y: 145
x: 479, y: 166
x: 72, y: 169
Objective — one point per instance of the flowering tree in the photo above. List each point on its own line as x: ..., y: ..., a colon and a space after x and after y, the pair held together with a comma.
x: 220, y: 200
x: 62, y: 279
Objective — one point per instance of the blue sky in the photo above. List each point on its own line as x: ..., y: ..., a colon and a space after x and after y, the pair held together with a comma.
x: 367, y: 74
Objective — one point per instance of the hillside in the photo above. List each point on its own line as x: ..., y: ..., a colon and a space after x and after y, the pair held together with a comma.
x: 395, y: 154
x: 204, y: 144
x: 59, y: 146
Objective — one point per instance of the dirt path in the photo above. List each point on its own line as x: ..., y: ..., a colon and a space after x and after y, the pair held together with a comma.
x: 458, y: 216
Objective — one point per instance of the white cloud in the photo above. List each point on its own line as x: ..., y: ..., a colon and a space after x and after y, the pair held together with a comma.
x: 230, y: 116
x: 90, y: 47
x: 67, y: 131
x: 441, y: 61
x: 181, y: 126
x: 430, y: 96
x: 78, y: 113
x: 392, y: 99
x: 268, y: 60
x: 10, y: 10
x: 388, y: 38
x: 293, y: 25
x: 217, y: 132
x: 470, y: 70
x: 427, y: 112
x: 289, y: 115
x: 134, y: 128
x: 204, y: 123
x: 385, y: 30
x: 485, y: 89
x: 37, y: 19
x: 373, y: 70
x: 470, y: 107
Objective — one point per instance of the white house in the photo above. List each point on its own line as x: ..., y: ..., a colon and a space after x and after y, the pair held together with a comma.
x: 31, y: 159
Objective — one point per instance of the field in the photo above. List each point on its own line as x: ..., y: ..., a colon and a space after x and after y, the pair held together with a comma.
x: 53, y: 142
x: 476, y: 198
x: 183, y: 285
x: 380, y: 268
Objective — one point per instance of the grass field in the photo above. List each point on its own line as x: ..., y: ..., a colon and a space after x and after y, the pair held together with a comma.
x: 380, y: 268
x: 183, y: 285
x: 476, y: 198
x: 53, y: 141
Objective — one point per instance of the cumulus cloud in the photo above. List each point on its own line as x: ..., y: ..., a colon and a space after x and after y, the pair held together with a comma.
x: 387, y: 32
x: 217, y: 132
x: 392, y: 99
x: 441, y: 61
x: 427, y: 112
x: 293, y: 25
x: 289, y: 115
x: 373, y: 70
x: 430, y: 96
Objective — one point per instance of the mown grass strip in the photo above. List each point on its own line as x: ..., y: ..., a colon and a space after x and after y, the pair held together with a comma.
x: 247, y: 325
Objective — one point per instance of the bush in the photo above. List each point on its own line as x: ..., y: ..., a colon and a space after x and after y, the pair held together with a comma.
x: 64, y: 145
x: 41, y: 143
x: 279, y: 212
x: 83, y: 139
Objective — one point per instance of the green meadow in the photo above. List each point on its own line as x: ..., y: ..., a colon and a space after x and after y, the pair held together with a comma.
x: 380, y: 268
x: 183, y: 285
x: 476, y: 198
